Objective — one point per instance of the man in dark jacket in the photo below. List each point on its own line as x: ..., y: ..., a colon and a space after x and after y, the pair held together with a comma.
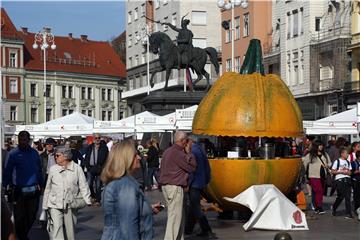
x: 47, y: 158
x: 95, y: 158
x: 198, y: 180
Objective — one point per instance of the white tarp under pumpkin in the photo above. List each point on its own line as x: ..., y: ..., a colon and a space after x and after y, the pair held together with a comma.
x: 272, y: 210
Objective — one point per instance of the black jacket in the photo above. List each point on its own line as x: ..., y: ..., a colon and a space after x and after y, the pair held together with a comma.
x: 102, y: 155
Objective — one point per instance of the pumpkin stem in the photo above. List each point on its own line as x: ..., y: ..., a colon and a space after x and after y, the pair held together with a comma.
x: 253, y: 59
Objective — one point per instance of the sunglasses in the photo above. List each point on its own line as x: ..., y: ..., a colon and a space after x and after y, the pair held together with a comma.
x: 97, y: 138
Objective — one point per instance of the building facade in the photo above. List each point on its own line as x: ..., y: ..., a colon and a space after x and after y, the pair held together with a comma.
x: 308, y: 51
x: 254, y: 21
x: 12, y: 72
x: 81, y: 75
x: 352, y: 88
x: 204, y: 23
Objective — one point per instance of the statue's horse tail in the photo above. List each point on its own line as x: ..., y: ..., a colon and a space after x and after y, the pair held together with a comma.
x: 213, y: 58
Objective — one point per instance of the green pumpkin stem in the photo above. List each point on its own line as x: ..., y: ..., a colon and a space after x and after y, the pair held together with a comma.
x: 253, y: 59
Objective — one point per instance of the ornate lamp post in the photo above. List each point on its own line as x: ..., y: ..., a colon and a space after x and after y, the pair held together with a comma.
x: 143, y: 36
x: 44, y: 39
x: 227, y: 5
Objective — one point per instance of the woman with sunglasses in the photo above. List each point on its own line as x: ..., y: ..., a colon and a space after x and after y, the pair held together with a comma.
x: 66, y: 191
x: 127, y: 214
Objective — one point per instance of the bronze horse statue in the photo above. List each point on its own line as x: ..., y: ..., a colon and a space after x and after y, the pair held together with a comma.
x: 160, y: 43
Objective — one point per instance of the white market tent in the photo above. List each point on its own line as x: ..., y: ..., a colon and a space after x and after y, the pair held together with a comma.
x: 184, y: 118
x: 9, y: 130
x: 155, y: 123
x: 344, y: 123
x: 126, y: 125
x: 70, y: 125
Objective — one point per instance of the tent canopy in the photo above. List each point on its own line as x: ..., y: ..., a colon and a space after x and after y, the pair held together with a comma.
x: 344, y: 123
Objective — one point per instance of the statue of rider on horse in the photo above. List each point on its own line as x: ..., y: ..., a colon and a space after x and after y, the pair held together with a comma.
x: 183, y: 55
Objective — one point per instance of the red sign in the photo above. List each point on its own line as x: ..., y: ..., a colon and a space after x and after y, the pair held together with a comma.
x: 297, y: 217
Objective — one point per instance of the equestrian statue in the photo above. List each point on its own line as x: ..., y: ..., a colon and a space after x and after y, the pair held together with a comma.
x: 181, y: 56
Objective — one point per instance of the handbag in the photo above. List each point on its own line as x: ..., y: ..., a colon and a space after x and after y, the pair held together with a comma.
x: 78, y: 202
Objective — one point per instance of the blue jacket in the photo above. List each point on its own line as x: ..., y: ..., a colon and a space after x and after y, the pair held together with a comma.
x: 355, y: 166
x: 127, y: 213
x: 27, y: 166
x: 201, y: 176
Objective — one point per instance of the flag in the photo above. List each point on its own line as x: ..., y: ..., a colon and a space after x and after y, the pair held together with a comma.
x: 189, y: 79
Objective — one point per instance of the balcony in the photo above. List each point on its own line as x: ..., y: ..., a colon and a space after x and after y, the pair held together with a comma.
x: 329, y: 84
x: 271, y: 50
x: 329, y: 34
x: 353, y: 86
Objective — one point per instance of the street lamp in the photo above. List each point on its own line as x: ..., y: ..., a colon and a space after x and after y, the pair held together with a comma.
x: 44, y: 39
x: 227, y: 5
x: 143, y: 36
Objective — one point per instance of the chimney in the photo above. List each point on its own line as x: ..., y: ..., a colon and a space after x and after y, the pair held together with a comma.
x: 70, y: 36
x: 24, y: 30
x: 83, y: 38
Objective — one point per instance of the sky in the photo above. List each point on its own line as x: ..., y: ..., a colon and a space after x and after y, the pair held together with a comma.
x: 100, y: 20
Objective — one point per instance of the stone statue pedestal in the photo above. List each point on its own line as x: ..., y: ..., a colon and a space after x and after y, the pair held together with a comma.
x: 163, y: 102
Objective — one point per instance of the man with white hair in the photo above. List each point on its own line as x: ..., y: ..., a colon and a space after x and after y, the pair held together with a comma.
x: 176, y: 164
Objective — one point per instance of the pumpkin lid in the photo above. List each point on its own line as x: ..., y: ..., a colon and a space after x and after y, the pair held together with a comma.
x: 249, y: 104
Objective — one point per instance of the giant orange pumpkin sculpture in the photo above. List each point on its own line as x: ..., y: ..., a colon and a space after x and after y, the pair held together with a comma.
x: 249, y: 104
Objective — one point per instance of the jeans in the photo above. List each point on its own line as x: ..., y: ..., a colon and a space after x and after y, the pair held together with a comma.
x: 343, y: 188
x: 356, y: 194
x: 318, y: 191
x: 25, y: 209
x: 94, y: 190
x: 194, y: 213
x: 152, y: 171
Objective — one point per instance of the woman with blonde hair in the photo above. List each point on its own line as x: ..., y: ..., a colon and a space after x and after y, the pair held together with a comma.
x: 123, y: 199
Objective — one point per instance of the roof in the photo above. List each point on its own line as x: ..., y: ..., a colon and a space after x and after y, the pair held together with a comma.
x: 75, y: 55
x: 74, y: 118
x: 8, y: 29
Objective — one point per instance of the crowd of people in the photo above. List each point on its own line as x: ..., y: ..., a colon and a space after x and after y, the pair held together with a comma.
x: 114, y: 176
x: 336, y: 165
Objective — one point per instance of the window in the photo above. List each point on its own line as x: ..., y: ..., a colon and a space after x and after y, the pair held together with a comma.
x: 165, y: 2
x: 13, y: 86
x: 33, y: 89
x: 142, y: 9
x: 109, y: 94
x: 89, y: 93
x: 83, y: 93
x: 48, y: 90
x: 64, y: 112
x: 109, y: 115
x: 228, y: 34
x: 121, y: 114
x: 301, y: 74
x: 83, y: 111
x: 198, y: 18
x: 63, y: 92
x: 70, y: 88
x: 136, y: 35
x: 237, y: 64
x: 103, y: 115
x: 288, y: 25
x: 165, y: 26
x: 13, y: 113
x: 157, y: 4
x: 143, y: 58
x: 246, y: 25
x: 48, y: 114
x: 136, y: 60
x: 130, y: 62
x: 301, y: 21
x: 33, y: 115
x: 71, y: 111
x: 317, y: 23
x: 296, y: 75
x: 136, y: 14
x: 129, y: 41
x: 237, y: 28
x: 228, y: 65
x: 103, y: 93
x: 13, y: 60
x: 199, y: 42
x: 90, y: 113
x: 131, y: 84
x: 295, y: 23
x: 129, y: 17
x: 173, y: 19
x: 296, y: 55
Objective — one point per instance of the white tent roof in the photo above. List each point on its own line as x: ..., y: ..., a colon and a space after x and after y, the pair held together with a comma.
x: 126, y: 125
x: 70, y: 125
x: 184, y: 118
x: 343, y: 123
